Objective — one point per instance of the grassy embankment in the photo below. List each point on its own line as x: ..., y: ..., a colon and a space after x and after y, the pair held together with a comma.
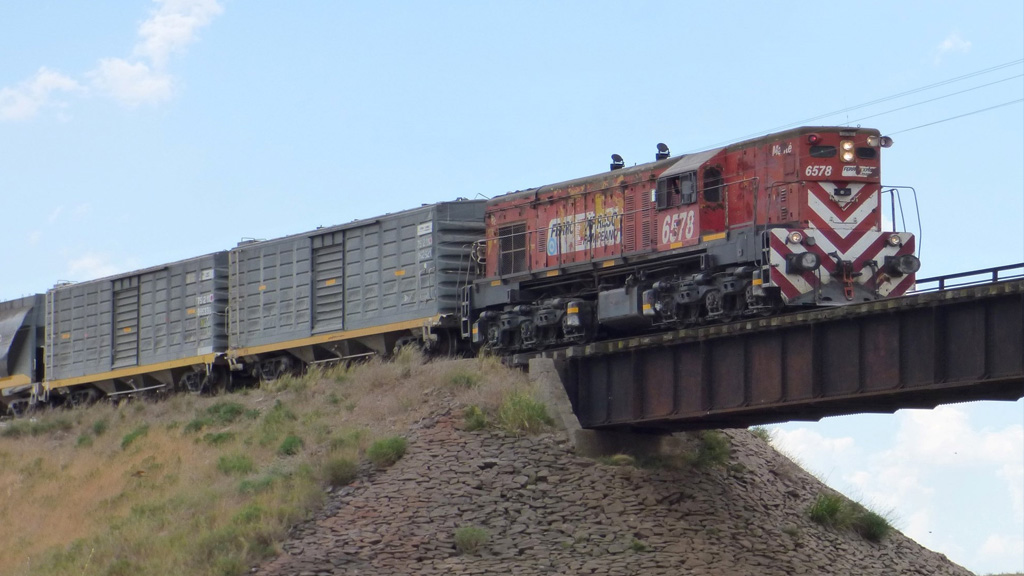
x: 197, y: 485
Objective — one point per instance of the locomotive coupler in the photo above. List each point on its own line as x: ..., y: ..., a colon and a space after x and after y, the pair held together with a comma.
x: 844, y: 269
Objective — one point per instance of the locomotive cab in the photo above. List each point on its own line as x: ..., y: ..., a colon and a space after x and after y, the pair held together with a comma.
x: 825, y: 244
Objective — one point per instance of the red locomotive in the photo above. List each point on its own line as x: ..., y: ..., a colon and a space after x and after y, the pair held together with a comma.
x: 788, y: 219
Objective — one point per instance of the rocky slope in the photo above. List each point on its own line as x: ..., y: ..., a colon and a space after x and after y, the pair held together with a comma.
x: 548, y: 511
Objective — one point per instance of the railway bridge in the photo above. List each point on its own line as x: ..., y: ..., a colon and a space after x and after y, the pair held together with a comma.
x: 957, y: 338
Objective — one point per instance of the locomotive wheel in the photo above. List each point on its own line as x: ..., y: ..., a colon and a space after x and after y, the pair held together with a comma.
x: 713, y: 303
x: 527, y: 337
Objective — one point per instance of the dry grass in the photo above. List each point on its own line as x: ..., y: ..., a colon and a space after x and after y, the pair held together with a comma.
x: 79, y: 500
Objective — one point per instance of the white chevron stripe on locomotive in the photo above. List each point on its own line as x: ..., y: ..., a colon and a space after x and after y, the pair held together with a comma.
x: 845, y: 223
x: 841, y: 202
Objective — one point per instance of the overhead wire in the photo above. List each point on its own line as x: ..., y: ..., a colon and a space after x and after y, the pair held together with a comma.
x: 934, y: 99
x: 960, y: 116
x: 866, y: 104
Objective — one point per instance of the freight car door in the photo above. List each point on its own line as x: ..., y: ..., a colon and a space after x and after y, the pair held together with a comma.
x: 126, y: 322
x: 328, y: 282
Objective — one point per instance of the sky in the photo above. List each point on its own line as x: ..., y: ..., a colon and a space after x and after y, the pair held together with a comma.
x: 143, y: 132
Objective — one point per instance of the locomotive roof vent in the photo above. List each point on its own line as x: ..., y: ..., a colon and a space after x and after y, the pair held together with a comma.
x: 662, y: 152
x: 617, y: 162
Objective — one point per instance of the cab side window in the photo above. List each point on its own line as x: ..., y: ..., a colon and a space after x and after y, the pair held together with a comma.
x: 677, y: 190
x: 712, y: 185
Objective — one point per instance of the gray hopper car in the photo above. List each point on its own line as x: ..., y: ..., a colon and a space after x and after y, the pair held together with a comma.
x: 21, y: 345
x: 358, y: 288
x: 148, y: 329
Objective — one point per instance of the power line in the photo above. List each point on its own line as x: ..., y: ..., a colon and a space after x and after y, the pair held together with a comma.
x: 864, y: 105
x: 933, y: 99
x: 960, y: 116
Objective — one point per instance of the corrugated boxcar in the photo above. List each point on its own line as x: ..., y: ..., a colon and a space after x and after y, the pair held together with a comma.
x: 21, y: 343
x: 356, y: 288
x: 157, y: 327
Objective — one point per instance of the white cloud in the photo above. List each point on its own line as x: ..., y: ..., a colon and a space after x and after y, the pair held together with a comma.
x: 90, y: 266
x: 26, y: 99
x: 952, y: 44
x: 131, y: 84
x: 54, y: 214
x: 911, y: 474
x: 1002, y: 545
x: 172, y: 27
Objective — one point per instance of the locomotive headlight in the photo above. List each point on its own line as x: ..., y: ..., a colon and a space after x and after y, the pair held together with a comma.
x: 795, y: 237
x: 895, y: 240
x: 846, y: 151
x: 902, y: 265
x: 803, y: 262
x: 873, y: 140
x: 809, y: 261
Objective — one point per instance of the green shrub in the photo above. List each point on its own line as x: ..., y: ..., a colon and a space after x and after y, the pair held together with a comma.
x: 20, y: 428
x: 387, y: 451
x: 638, y: 546
x: 225, y: 412
x: 470, y: 539
x: 871, y: 525
x: 464, y: 379
x: 763, y: 433
x: 239, y: 464
x: 196, y: 425
x: 218, y: 438
x: 251, y: 514
x: 290, y: 446
x: 521, y: 413
x: 836, y: 511
x: 474, y: 418
x: 134, y: 435
x: 257, y: 485
x: 340, y: 471
x: 100, y: 426
x: 830, y: 510
x: 712, y: 450
x: 349, y: 439
x: 84, y: 441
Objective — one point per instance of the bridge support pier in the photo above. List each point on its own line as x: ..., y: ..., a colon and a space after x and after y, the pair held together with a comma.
x: 548, y: 374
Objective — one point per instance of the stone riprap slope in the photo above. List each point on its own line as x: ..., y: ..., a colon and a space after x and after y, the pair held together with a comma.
x: 550, y: 512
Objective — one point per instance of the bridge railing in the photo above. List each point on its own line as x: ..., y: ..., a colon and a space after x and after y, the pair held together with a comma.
x: 972, y: 278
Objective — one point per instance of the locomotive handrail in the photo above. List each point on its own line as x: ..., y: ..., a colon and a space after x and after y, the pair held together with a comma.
x: 992, y: 275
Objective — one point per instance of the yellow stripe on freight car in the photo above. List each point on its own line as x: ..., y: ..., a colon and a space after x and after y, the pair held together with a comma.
x: 333, y: 337
x: 14, y: 381
x: 132, y: 371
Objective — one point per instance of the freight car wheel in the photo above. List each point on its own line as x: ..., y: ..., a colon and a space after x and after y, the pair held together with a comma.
x: 274, y: 368
x: 83, y: 397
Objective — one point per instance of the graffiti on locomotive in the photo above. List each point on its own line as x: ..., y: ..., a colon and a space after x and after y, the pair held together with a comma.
x: 597, y: 228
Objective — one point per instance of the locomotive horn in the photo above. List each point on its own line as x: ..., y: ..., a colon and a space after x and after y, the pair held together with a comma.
x: 617, y: 162
x: 662, y: 152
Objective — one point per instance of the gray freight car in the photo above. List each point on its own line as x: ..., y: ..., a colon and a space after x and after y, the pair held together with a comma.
x: 358, y: 288
x: 150, y: 329
x: 21, y: 345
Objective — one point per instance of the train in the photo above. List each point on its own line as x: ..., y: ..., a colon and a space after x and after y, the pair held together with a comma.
x: 758, y: 227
